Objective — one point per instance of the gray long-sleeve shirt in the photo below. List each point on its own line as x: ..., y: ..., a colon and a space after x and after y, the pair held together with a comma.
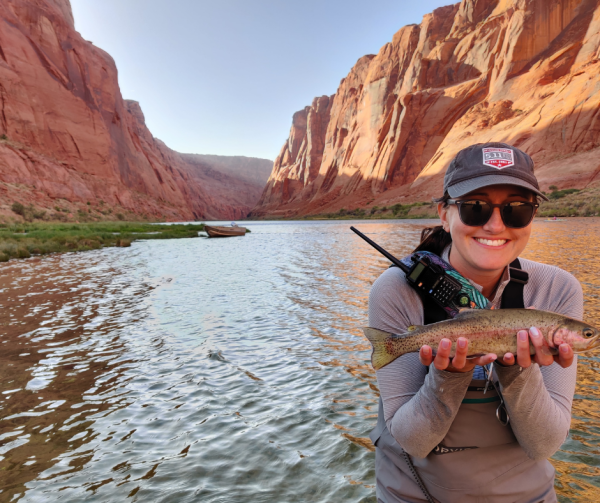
x: 419, y: 407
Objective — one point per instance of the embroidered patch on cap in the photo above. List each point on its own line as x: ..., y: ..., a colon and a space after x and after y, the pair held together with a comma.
x: 498, y: 158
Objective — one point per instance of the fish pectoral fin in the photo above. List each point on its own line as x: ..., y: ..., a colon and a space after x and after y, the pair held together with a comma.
x: 472, y: 357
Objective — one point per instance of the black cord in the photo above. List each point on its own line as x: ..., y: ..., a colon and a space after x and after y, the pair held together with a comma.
x: 417, y: 478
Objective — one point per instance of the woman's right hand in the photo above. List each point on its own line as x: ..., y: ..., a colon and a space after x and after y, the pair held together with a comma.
x: 459, y: 363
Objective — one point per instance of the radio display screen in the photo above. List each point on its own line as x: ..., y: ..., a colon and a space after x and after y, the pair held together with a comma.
x: 414, y: 276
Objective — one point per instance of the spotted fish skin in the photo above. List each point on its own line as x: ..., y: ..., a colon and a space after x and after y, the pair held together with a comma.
x: 488, y: 331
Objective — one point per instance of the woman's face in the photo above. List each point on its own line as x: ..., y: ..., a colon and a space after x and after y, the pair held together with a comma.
x: 486, y: 250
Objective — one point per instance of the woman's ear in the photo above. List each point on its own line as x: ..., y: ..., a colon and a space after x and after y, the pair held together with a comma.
x: 443, y: 213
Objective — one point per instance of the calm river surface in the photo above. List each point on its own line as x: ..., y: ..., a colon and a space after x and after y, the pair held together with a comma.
x: 225, y: 370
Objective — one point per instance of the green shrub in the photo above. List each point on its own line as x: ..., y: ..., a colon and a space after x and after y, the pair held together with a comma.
x: 89, y: 244
x: 4, y: 257
x: 18, y: 208
x: 559, y: 194
x: 357, y: 212
x: 553, y: 187
x: 120, y: 216
x: 23, y: 253
x: 374, y: 210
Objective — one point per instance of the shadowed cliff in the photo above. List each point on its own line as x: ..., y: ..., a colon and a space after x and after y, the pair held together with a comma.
x: 69, y: 139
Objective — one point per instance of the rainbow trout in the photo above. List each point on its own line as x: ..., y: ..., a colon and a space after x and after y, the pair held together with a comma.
x: 488, y: 331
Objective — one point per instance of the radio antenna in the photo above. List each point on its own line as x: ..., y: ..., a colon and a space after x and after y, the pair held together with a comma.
x: 386, y: 254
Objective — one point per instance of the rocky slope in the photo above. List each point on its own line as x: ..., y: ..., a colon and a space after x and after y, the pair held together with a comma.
x: 519, y: 71
x: 237, y: 180
x: 68, y: 138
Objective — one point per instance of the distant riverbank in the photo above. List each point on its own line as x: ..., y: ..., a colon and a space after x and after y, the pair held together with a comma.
x: 41, y: 238
x: 562, y: 203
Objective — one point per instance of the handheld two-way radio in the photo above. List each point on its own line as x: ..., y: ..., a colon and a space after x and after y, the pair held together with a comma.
x: 435, y: 278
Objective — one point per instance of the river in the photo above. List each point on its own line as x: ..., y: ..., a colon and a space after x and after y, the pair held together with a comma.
x: 225, y: 370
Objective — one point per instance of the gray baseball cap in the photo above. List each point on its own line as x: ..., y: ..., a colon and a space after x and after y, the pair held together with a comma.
x: 486, y: 164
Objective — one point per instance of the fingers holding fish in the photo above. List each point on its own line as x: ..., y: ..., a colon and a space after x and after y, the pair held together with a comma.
x: 507, y: 360
x: 565, y: 356
x: 442, y: 358
x: 543, y: 356
x: 426, y: 355
x: 484, y: 360
x: 523, y: 348
x: 460, y: 358
x: 460, y: 362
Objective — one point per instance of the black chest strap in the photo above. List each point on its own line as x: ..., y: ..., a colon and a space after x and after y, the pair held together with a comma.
x: 512, y: 297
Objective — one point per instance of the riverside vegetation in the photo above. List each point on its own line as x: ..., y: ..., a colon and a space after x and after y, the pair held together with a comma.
x: 21, y: 240
x: 563, y: 203
x: 412, y: 210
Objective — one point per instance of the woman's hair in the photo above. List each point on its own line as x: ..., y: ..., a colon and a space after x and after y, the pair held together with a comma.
x: 435, y: 239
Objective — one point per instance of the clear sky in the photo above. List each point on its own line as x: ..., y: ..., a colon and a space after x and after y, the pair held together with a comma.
x: 225, y: 76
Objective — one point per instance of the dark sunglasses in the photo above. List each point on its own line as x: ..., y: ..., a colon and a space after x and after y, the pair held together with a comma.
x: 476, y: 213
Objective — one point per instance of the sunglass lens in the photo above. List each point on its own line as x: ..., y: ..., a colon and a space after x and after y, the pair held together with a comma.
x: 475, y: 213
x: 517, y: 216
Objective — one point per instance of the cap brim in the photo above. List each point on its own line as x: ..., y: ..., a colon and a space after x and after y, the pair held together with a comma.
x: 462, y: 188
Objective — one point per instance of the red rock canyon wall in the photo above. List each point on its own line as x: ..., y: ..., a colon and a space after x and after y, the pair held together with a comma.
x: 519, y: 71
x: 66, y: 132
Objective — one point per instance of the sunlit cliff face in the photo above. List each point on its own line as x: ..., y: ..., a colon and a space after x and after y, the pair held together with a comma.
x: 479, y: 253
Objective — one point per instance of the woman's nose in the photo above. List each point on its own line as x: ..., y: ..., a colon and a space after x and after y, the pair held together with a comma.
x: 495, y: 223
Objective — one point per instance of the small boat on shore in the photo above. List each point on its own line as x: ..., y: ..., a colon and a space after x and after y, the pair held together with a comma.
x: 224, y: 232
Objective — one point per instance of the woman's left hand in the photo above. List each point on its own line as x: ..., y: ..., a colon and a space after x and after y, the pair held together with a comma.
x: 542, y: 356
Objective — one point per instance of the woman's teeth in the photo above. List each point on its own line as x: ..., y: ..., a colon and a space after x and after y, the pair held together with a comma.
x: 489, y: 242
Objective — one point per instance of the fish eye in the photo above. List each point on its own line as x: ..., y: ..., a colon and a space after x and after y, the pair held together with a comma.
x: 588, y: 332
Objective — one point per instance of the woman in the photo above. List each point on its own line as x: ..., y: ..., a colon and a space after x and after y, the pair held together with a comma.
x: 435, y: 422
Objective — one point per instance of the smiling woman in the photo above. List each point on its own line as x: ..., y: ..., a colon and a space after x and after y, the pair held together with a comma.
x: 486, y: 240
x: 439, y: 436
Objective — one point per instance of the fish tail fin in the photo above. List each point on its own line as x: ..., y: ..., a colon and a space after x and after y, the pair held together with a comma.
x: 380, y: 356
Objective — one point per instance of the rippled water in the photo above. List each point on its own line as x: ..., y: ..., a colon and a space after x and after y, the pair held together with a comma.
x: 229, y: 370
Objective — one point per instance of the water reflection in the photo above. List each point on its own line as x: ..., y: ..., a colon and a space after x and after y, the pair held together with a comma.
x: 223, y: 370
